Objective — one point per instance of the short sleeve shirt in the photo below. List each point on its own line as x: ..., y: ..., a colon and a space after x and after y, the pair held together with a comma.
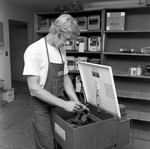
x: 36, y: 60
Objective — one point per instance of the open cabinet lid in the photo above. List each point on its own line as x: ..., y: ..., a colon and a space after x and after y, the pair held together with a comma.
x: 99, y: 86
x: 1, y: 84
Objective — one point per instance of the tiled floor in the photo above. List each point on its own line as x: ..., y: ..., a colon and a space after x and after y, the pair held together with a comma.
x: 16, y: 128
x: 15, y: 121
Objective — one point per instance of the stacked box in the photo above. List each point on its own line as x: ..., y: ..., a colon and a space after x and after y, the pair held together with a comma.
x: 78, y: 41
x: 84, y: 59
x: 69, y: 45
x: 44, y: 24
x: 147, y: 2
x: 94, y: 43
x: 52, y: 20
x: 94, y: 22
x: 94, y: 60
x: 82, y: 22
x: 71, y: 62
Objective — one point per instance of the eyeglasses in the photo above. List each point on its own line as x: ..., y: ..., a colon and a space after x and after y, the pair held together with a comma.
x: 70, y: 36
x: 64, y: 36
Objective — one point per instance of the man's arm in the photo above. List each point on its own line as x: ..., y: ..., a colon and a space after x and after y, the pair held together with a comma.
x: 69, y: 88
x: 49, y: 98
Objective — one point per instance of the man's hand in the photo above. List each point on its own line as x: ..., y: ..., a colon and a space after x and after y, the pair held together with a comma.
x: 74, y: 106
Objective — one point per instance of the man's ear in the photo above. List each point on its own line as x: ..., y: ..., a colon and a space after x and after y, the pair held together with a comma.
x: 59, y: 36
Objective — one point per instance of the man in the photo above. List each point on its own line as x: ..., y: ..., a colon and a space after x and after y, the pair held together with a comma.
x: 47, y: 74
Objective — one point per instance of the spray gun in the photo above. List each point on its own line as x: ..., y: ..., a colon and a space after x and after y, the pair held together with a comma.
x: 97, y: 97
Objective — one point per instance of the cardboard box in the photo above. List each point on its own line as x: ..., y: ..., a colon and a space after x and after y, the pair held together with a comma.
x: 115, y: 21
x: 8, y: 95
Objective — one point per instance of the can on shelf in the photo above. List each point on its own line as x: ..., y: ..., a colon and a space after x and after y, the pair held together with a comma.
x: 138, y: 71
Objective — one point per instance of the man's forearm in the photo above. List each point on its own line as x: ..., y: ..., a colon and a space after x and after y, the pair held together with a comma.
x: 69, y: 88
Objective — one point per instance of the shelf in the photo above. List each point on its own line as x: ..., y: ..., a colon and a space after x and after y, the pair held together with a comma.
x: 133, y: 95
x: 132, y: 90
x: 82, y: 31
x: 125, y: 54
x: 128, y: 31
x: 90, y: 31
x: 123, y: 8
x: 124, y: 74
x: 140, y: 134
x: 42, y: 31
x: 138, y: 115
x: 74, y: 13
x: 87, y: 52
x: 70, y: 12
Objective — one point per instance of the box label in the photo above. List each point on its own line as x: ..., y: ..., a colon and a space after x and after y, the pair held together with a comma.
x: 60, y: 131
x: 115, y: 21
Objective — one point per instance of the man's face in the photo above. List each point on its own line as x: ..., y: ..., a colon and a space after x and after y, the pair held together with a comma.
x: 62, y: 39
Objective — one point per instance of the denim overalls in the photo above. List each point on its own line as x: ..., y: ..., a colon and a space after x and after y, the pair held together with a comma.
x: 41, y: 110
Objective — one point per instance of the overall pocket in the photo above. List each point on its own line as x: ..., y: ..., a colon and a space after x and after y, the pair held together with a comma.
x: 58, y: 88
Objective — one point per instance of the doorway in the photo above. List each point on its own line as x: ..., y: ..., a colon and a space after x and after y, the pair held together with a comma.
x: 18, y: 32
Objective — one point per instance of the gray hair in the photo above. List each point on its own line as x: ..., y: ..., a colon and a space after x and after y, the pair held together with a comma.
x: 65, y: 24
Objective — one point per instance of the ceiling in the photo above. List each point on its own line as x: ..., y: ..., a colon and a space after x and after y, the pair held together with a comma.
x: 47, y: 5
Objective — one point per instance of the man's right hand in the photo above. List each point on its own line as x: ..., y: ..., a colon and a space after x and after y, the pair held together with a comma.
x: 73, y: 106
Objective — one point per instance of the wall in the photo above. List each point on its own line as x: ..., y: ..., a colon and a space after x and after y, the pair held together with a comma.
x: 18, y: 40
x: 8, y: 11
x: 114, y: 3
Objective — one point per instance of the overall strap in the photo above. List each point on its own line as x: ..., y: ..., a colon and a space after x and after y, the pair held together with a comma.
x: 61, y: 56
x: 48, y: 54
x: 47, y: 50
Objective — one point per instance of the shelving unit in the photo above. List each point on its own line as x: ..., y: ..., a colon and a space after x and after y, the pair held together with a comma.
x: 86, y: 33
x: 132, y: 91
x: 51, y: 15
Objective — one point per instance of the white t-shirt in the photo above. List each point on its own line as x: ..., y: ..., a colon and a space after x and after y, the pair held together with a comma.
x: 36, y: 60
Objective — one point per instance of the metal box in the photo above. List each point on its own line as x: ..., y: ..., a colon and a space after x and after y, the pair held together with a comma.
x: 107, y: 130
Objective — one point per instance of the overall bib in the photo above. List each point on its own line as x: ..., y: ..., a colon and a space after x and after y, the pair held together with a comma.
x: 41, y: 110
